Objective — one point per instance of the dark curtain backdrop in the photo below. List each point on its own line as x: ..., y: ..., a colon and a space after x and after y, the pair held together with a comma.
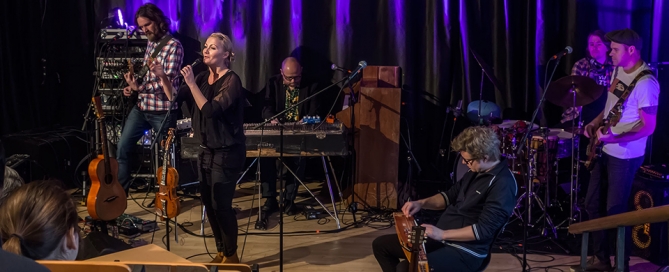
x: 431, y: 40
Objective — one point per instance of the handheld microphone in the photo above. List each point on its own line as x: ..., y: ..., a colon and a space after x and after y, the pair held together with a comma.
x: 195, y: 63
x: 334, y: 67
x: 361, y: 65
x: 565, y: 51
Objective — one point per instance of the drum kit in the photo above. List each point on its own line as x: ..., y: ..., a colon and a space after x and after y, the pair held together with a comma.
x: 542, y: 150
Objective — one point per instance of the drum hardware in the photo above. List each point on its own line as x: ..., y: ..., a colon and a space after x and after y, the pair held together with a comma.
x: 539, y: 152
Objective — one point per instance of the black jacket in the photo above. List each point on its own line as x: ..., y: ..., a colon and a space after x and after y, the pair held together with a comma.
x: 275, y: 98
x: 220, y: 122
x: 483, y: 201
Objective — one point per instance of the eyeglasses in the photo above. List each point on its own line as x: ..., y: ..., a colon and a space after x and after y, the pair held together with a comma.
x: 291, y: 78
x: 468, y: 162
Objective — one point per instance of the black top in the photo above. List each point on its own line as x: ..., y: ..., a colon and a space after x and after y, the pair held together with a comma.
x: 483, y: 201
x: 220, y: 122
x: 15, y: 263
x: 275, y: 98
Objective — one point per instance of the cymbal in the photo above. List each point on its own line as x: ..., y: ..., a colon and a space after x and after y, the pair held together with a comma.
x: 587, y: 91
x: 574, y: 130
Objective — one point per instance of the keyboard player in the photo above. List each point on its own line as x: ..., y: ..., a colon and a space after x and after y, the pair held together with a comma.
x: 282, y: 91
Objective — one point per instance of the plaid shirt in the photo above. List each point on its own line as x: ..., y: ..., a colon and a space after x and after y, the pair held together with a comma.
x: 593, y: 69
x: 151, y: 95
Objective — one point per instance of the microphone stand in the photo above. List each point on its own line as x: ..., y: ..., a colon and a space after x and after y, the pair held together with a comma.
x: 281, y: 204
x: 528, y: 178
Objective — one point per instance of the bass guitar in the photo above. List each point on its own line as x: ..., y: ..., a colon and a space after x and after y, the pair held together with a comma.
x: 167, y: 202
x: 106, y: 199
x: 594, y: 149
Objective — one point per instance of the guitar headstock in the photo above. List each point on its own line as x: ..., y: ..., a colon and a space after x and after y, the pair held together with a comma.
x: 417, y: 237
x: 97, y: 105
x: 170, y: 137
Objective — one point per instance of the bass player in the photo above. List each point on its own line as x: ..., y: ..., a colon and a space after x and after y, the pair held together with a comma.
x: 624, y: 143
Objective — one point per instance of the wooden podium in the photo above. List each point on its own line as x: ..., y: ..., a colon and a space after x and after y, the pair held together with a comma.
x: 377, y: 136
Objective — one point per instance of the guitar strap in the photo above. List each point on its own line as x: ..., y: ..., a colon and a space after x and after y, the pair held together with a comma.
x: 615, y: 110
x: 160, y: 45
x: 155, y: 53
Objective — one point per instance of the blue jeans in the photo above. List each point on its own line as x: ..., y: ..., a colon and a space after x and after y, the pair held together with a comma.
x: 137, y: 123
x: 608, y: 194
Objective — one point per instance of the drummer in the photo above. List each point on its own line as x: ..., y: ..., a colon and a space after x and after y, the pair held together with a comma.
x: 597, y: 65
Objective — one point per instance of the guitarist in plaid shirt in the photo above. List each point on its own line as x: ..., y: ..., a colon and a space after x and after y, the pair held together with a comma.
x: 154, y: 101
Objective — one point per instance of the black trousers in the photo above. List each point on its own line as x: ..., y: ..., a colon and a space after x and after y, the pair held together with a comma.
x: 440, y: 257
x: 218, y: 172
x: 608, y: 194
x: 268, y: 175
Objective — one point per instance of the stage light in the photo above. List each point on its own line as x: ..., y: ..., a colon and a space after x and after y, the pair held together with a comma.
x: 120, y: 17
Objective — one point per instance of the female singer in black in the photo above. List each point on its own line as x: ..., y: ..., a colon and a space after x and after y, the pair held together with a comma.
x: 217, y: 110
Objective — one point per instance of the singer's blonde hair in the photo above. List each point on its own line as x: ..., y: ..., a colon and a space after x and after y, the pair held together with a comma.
x: 227, y: 45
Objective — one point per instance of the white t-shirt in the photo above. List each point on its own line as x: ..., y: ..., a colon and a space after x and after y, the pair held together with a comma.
x: 645, y: 94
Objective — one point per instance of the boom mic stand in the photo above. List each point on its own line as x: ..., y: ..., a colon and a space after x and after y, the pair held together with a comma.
x: 528, y: 184
x: 281, y: 204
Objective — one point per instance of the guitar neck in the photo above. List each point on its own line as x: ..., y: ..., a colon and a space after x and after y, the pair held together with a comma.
x: 103, y: 140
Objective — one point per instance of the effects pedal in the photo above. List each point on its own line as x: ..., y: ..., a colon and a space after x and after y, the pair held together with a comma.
x: 310, y: 213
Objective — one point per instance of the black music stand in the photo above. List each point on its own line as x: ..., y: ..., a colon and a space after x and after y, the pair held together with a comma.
x: 279, y: 116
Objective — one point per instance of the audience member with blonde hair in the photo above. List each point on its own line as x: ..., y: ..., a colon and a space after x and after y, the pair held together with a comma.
x: 39, y: 221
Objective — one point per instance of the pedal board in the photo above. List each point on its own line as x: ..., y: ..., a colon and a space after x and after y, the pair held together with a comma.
x: 129, y: 226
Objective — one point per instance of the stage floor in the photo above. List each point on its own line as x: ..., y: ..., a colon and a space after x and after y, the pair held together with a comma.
x: 309, y: 245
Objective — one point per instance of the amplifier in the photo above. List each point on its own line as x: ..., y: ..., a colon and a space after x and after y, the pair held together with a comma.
x: 649, y: 241
x: 655, y: 171
x: 108, y: 34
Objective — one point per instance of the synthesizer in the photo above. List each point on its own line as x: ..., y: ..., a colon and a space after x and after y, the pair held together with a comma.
x: 299, y: 139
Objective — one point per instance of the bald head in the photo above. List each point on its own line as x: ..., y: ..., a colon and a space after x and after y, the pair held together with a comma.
x: 292, y: 72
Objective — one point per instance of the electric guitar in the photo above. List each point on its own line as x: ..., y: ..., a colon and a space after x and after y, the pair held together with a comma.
x: 594, y: 150
x: 167, y: 202
x: 106, y: 199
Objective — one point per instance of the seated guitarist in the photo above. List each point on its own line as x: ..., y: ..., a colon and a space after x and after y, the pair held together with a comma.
x: 624, y: 143
x: 475, y: 208
x: 153, y: 99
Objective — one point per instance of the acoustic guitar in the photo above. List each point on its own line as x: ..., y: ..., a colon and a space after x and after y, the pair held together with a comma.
x: 411, y: 240
x: 106, y: 199
x: 167, y: 202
